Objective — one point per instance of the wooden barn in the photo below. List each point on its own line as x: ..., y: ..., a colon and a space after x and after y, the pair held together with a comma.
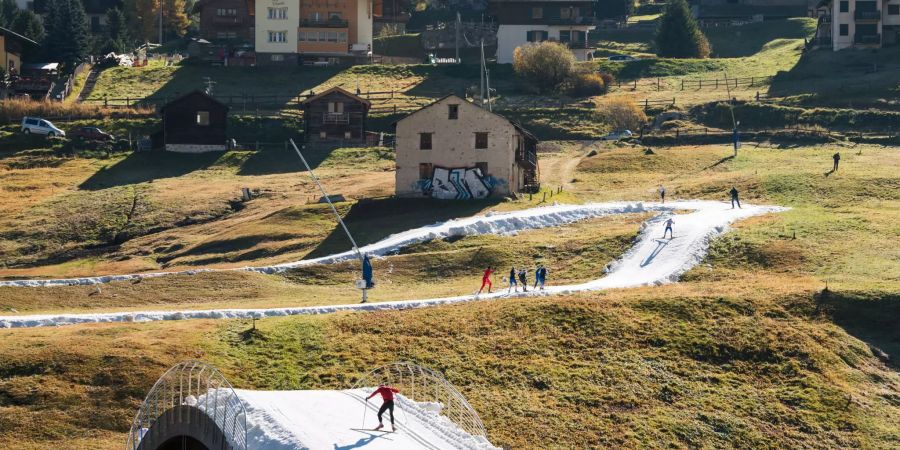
x: 193, y: 123
x: 335, y: 115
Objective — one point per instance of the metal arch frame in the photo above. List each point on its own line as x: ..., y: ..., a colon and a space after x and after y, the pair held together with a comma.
x: 197, y: 379
x: 422, y: 384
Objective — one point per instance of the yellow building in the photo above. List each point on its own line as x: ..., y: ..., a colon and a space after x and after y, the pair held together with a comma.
x: 313, y: 31
x: 11, y: 44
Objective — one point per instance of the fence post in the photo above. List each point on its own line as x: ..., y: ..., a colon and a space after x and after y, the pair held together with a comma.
x: 682, y: 84
x: 646, y: 104
x: 717, y: 83
x: 658, y: 88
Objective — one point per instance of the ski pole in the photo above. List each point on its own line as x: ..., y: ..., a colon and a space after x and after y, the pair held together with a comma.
x: 365, y: 409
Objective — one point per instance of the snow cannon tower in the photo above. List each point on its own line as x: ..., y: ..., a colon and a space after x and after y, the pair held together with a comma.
x: 192, y: 406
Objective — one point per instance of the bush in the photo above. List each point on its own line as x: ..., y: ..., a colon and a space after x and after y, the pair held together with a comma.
x: 586, y: 85
x: 622, y: 114
x: 678, y: 35
x: 546, y: 65
x: 608, y: 79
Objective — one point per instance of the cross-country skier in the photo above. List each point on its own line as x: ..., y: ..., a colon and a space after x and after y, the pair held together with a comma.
x: 387, y: 395
x: 837, y: 160
x: 734, y: 197
x: 540, y: 276
x: 486, y: 279
x: 512, y: 281
x: 523, y: 278
x: 662, y: 193
x: 669, y: 228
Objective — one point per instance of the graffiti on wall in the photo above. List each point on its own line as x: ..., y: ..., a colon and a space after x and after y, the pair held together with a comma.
x: 461, y: 183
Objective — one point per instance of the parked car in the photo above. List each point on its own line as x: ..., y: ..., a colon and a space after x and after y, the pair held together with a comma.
x: 91, y: 134
x: 34, y: 125
x: 618, y: 135
x: 622, y: 58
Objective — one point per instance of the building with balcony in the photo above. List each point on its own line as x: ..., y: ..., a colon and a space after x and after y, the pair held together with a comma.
x: 864, y: 24
x: 229, y: 21
x: 729, y: 10
x: 313, y: 31
x: 11, y: 46
x: 335, y: 115
x: 525, y: 21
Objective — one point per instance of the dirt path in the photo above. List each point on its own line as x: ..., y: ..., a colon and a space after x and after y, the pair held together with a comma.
x: 559, y: 169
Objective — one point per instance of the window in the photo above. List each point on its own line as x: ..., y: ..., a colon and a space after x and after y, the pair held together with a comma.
x: 228, y: 12
x: 278, y: 36
x: 845, y: 29
x: 481, y: 140
x: 335, y: 108
x: 203, y: 118
x: 278, y: 13
x: 537, y: 12
x: 342, y: 37
x: 232, y: 35
x: 894, y: 10
x: 569, y: 12
x: 453, y: 112
x: 332, y: 36
x: 565, y: 36
x: 276, y: 58
x: 536, y: 36
x: 845, y: 6
x: 334, y: 15
x: 425, y: 141
x: 221, y: 34
x: 482, y: 167
x: 426, y: 171
x: 316, y: 17
x: 301, y: 36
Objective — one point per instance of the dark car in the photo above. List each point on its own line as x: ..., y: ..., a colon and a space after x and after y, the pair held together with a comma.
x: 91, y: 134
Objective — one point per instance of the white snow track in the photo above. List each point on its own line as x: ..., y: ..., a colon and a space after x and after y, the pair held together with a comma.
x: 329, y: 420
x: 651, y: 261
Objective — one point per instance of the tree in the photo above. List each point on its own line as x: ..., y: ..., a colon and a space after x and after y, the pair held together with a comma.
x: 67, y: 32
x: 143, y: 18
x: 117, y: 31
x: 175, y: 17
x: 622, y: 114
x: 610, y: 9
x: 545, y: 65
x: 28, y: 24
x: 8, y: 11
x: 678, y: 35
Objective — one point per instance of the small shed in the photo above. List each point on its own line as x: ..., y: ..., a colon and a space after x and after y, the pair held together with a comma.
x: 335, y: 115
x: 193, y: 123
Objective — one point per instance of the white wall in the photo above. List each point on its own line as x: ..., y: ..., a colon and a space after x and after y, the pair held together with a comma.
x: 840, y: 42
x: 509, y: 37
x: 890, y: 20
x: 364, y: 22
x: 264, y: 25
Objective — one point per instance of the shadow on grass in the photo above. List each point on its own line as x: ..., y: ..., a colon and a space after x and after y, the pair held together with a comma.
x: 282, y: 160
x: 372, y: 220
x: 874, y: 319
x: 140, y: 167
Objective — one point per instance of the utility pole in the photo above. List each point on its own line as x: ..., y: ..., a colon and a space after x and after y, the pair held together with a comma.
x: 481, y: 96
x: 734, y: 123
x: 160, y: 22
x: 458, y: 20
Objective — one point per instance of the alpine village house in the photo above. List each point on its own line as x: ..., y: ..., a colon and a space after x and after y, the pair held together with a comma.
x: 524, y: 21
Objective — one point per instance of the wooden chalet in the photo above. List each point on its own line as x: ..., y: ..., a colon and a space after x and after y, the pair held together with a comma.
x: 193, y: 123
x: 335, y: 115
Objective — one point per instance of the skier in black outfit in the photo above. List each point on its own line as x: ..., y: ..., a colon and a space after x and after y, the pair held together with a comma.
x: 837, y: 160
x: 734, y: 197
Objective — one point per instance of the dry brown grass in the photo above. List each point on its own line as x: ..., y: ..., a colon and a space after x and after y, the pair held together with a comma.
x: 12, y: 111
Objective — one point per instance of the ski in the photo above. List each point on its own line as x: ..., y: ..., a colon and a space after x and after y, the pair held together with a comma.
x: 373, y: 430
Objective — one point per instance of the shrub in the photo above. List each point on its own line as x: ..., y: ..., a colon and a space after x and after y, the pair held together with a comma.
x: 608, y: 79
x: 546, y: 65
x: 678, y: 35
x: 622, y: 114
x: 586, y: 85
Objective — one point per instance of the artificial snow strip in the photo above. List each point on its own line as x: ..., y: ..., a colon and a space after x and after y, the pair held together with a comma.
x: 651, y: 261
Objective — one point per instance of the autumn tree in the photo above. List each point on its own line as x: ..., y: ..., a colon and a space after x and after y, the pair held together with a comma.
x: 545, y: 65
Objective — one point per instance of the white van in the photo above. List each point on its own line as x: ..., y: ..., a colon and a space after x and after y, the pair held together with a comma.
x: 34, y: 125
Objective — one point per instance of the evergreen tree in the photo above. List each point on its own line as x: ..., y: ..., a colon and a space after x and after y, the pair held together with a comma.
x: 143, y: 19
x: 678, y: 35
x: 610, y: 9
x: 8, y: 11
x: 67, y: 32
x: 28, y: 24
x: 117, y: 31
x: 175, y: 18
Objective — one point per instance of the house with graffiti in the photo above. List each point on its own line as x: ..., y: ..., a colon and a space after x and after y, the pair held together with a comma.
x: 454, y: 149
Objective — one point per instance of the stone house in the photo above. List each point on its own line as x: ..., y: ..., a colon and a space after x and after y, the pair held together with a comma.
x: 453, y: 149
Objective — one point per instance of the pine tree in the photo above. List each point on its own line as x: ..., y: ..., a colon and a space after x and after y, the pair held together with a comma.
x: 143, y: 18
x: 28, y: 24
x: 175, y: 18
x: 117, y: 31
x: 67, y: 32
x: 678, y: 35
x: 8, y: 11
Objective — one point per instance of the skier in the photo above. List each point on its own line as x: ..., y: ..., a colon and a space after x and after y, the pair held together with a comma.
x: 662, y: 193
x: 734, y: 197
x: 523, y: 278
x: 387, y: 395
x: 512, y: 281
x: 669, y: 228
x: 486, y: 280
x: 540, y: 276
x: 837, y: 160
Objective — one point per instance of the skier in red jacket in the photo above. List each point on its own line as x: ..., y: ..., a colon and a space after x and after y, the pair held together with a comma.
x: 486, y: 280
x: 387, y: 395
